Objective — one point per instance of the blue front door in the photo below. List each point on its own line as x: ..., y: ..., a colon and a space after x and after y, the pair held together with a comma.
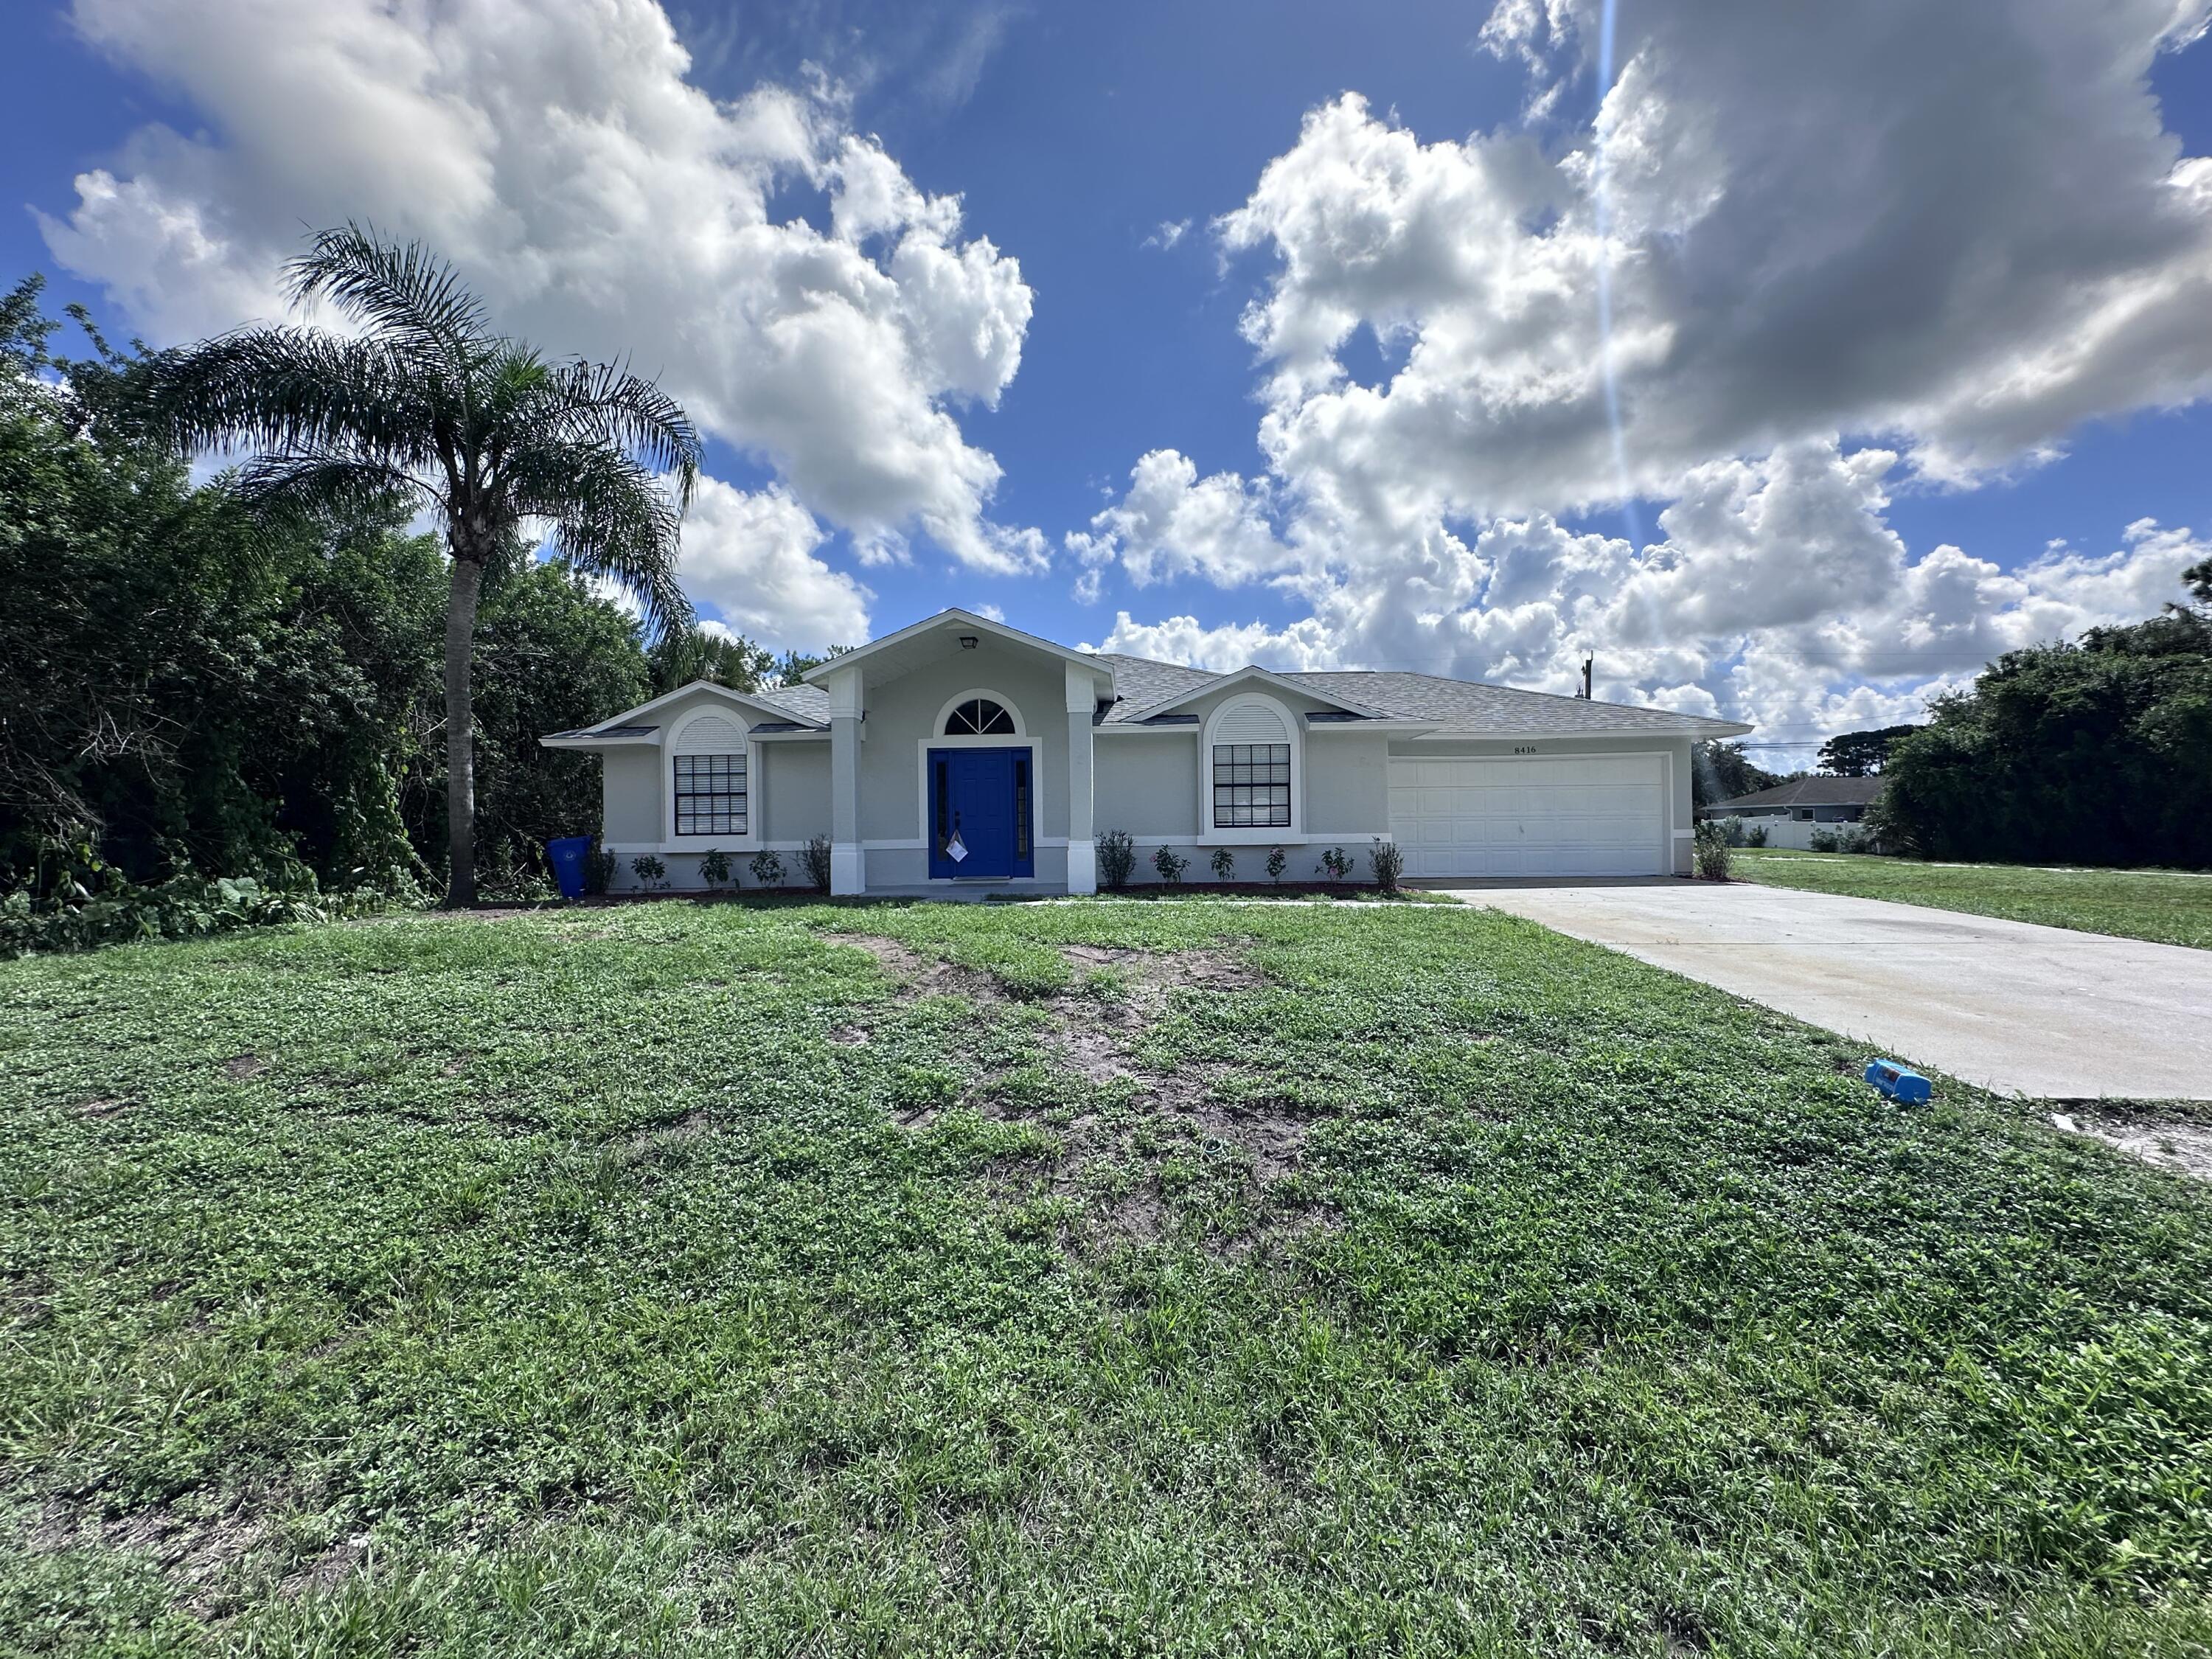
x: 980, y: 808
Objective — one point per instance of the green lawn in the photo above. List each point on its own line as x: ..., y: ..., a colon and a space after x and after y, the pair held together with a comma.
x: 2170, y: 907
x: 1096, y: 1278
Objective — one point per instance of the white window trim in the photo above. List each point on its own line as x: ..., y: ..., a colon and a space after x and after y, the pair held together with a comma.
x: 1212, y: 835
x: 1013, y: 713
x: 755, y: 795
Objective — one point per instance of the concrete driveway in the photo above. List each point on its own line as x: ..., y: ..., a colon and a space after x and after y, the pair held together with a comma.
x: 2034, y: 1011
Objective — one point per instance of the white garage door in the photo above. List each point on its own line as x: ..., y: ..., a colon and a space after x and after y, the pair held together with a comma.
x: 1597, y: 815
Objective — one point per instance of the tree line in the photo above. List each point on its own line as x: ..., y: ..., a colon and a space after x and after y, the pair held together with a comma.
x: 2093, y: 751
x: 254, y: 675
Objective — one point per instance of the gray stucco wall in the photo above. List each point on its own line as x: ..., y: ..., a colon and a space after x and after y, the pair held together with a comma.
x: 1347, y: 785
x: 1147, y: 783
x: 795, y: 779
x: 900, y: 712
x: 630, y: 789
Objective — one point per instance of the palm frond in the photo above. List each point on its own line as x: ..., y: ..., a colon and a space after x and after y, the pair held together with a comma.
x: 292, y: 389
x: 401, y: 289
x: 330, y: 487
x: 607, y: 403
x: 611, y: 518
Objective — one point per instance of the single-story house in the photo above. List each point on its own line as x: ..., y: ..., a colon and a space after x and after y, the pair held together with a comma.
x: 962, y: 750
x: 1791, y: 811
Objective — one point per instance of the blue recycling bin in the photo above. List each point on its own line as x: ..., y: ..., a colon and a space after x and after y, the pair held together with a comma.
x: 568, y: 854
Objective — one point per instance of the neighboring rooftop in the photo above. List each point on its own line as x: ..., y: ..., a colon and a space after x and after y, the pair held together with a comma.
x: 1816, y: 791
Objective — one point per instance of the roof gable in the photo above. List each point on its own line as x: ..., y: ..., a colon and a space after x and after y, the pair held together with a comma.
x: 1252, y: 674
x: 967, y: 620
x: 767, y: 705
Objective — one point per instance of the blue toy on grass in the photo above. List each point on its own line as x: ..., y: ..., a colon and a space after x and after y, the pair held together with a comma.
x: 1894, y: 1080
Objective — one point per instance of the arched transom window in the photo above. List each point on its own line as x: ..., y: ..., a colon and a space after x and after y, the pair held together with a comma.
x: 978, y: 717
x: 711, y: 790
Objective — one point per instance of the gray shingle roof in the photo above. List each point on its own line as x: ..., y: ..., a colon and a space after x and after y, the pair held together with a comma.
x: 1816, y: 791
x: 1456, y: 706
x: 809, y: 703
x: 1139, y: 683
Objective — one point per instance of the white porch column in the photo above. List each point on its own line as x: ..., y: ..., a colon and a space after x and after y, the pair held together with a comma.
x: 849, y: 871
x: 1082, y: 848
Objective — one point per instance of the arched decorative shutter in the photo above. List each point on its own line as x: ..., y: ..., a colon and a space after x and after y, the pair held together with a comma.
x: 1251, y: 722
x: 710, y: 734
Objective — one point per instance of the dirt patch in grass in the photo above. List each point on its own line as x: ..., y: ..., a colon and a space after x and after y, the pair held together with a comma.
x: 645, y: 1142
x: 242, y: 1066
x: 196, y: 1552
x: 923, y: 975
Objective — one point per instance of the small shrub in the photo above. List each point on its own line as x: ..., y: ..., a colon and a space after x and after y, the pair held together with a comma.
x: 1712, y: 853
x: 1335, y: 864
x: 815, y: 857
x: 1117, y: 858
x: 1824, y: 840
x: 1388, y: 860
x: 1169, y: 866
x: 1277, y: 861
x: 1755, y: 836
x: 714, y: 867
x: 766, y: 868
x: 1855, y: 838
x: 1733, y: 828
x: 1225, y: 864
x: 598, y: 871
x: 650, y: 872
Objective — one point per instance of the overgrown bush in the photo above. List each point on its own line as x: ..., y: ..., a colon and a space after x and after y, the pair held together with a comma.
x: 714, y: 866
x: 814, y: 857
x: 1117, y: 858
x: 1754, y: 834
x: 1733, y: 828
x: 1712, y: 858
x: 766, y: 868
x: 1388, y: 860
x: 1225, y: 864
x: 81, y: 902
x: 1169, y: 866
x: 1824, y: 840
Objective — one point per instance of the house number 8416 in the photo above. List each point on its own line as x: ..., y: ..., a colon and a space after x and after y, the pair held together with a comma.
x: 1524, y: 748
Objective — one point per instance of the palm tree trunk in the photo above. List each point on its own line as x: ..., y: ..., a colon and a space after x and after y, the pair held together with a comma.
x: 460, y: 734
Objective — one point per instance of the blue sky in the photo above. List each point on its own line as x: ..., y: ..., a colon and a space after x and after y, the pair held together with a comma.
x: 1233, y: 332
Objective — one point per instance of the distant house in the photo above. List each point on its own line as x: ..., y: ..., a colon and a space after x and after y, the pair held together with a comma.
x: 1791, y: 811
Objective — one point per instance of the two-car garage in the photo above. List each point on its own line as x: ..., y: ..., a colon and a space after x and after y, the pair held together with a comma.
x: 1532, y: 815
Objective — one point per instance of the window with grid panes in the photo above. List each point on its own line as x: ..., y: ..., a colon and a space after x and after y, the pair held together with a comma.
x: 1251, y: 786
x: 710, y: 794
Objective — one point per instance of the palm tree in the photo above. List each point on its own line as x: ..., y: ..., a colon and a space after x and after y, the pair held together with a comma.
x: 425, y: 404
